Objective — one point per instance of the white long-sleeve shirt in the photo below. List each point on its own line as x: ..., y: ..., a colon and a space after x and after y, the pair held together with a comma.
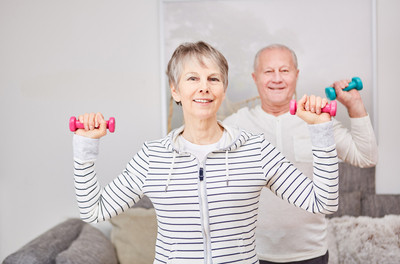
x: 285, y: 233
x: 233, y: 177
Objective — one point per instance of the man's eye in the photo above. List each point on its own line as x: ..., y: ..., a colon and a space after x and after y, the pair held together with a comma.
x: 214, y: 79
x: 285, y: 70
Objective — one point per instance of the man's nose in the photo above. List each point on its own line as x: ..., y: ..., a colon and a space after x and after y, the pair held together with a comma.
x: 277, y: 77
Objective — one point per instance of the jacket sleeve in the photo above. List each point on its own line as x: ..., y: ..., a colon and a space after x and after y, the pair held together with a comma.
x: 96, y: 203
x: 358, y: 146
x: 316, y: 194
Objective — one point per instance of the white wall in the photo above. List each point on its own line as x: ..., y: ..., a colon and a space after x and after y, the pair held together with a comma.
x: 328, y: 52
x: 63, y: 58
x: 388, y: 121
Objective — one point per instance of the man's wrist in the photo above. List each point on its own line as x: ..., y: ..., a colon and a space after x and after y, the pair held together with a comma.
x: 357, y: 110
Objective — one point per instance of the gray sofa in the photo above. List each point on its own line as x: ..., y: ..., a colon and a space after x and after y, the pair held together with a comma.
x: 351, y: 240
x: 72, y: 241
x: 127, y: 238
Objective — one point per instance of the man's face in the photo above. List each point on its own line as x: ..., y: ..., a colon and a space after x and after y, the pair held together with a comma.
x: 276, y: 78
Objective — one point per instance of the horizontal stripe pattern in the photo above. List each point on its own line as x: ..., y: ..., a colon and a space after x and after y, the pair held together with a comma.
x: 232, y: 195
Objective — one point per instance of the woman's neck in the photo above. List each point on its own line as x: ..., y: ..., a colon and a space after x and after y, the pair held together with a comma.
x: 203, y: 132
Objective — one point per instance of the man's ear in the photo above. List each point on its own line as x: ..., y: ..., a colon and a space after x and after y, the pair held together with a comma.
x: 175, y: 93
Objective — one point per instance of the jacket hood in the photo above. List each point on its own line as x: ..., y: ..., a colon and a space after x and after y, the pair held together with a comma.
x: 236, y: 137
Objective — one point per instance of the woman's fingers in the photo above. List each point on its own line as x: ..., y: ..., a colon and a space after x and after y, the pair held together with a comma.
x: 309, y: 109
x: 94, y: 125
x: 312, y: 103
x: 303, y: 103
x: 101, y: 123
x: 91, y: 121
x: 318, y: 104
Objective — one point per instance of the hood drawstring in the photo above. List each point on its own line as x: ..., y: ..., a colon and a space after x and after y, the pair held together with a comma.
x: 170, y: 170
x: 227, y: 167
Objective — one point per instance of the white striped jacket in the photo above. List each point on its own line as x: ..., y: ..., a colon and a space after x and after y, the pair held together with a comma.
x: 234, y: 177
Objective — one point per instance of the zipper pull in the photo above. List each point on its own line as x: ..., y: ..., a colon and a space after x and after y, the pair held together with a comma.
x: 201, y: 176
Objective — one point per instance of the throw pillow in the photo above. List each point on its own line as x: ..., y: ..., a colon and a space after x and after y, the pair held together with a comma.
x: 91, y: 247
x: 45, y: 248
x: 367, y: 240
x: 134, y: 235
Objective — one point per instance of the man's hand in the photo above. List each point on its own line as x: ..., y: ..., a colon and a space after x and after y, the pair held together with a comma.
x: 350, y: 99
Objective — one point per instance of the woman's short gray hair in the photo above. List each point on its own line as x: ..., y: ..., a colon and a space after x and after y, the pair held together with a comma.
x: 199, y: 50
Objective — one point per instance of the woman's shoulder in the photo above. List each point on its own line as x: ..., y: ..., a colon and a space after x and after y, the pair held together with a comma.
x: 154, y: 144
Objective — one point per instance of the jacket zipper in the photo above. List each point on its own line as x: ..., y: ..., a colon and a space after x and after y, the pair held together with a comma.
x: 204, y: 210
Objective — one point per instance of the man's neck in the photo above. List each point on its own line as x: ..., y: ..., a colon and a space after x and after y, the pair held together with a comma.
x: 276, y: 110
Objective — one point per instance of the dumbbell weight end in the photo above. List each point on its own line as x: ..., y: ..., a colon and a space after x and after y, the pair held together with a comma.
x: 355, y: 83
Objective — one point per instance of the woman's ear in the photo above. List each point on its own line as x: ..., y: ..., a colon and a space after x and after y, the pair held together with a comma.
x: 175, y: 93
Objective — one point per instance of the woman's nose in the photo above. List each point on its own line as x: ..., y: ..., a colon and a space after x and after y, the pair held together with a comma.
x: 204, y: 88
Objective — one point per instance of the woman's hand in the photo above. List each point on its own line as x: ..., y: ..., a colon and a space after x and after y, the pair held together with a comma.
x: 309, y: 109
x: 95, y: 125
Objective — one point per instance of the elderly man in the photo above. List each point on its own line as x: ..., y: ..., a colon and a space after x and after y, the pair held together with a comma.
x: 286, y: 234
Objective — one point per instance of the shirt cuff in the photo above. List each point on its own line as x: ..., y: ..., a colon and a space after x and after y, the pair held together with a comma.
x: 84, y: 148
x: 322, y: 134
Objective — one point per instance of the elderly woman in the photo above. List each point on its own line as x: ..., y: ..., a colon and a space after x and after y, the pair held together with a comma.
x: 204, y: 179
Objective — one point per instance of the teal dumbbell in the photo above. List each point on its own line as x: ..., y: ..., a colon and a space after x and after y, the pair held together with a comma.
x: 355, y: 83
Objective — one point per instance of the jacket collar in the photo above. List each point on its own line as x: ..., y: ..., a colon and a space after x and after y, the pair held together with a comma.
x: 236, y: 137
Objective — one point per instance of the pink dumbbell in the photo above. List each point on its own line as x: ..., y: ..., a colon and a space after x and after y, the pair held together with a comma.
x: 329, y: 108
x: 75, y: 124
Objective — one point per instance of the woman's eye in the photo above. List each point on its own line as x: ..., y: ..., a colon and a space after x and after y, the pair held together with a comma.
x: 192, y: 78
x: 214, y: 79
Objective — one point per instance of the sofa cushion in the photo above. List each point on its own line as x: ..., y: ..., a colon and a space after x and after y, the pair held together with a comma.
x: 366, y: 239
x: 45, y: 248
x: 134, y: 235
x: 91, y: 247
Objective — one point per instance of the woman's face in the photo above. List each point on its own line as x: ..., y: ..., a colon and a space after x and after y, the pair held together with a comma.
x: 200, y: 89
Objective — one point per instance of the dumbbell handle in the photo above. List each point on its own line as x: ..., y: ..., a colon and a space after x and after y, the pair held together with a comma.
x: 329, y: 108
x: 355, y: 83
x: 74, y: 124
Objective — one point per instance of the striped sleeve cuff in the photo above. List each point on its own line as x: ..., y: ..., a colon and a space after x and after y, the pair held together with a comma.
x: 322, y: 134
x: 85, y: 149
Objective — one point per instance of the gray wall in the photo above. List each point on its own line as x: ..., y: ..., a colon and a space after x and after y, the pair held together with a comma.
x: 63, y: 58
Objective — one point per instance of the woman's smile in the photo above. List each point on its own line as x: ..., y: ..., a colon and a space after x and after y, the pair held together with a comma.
x: 203, y: 101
